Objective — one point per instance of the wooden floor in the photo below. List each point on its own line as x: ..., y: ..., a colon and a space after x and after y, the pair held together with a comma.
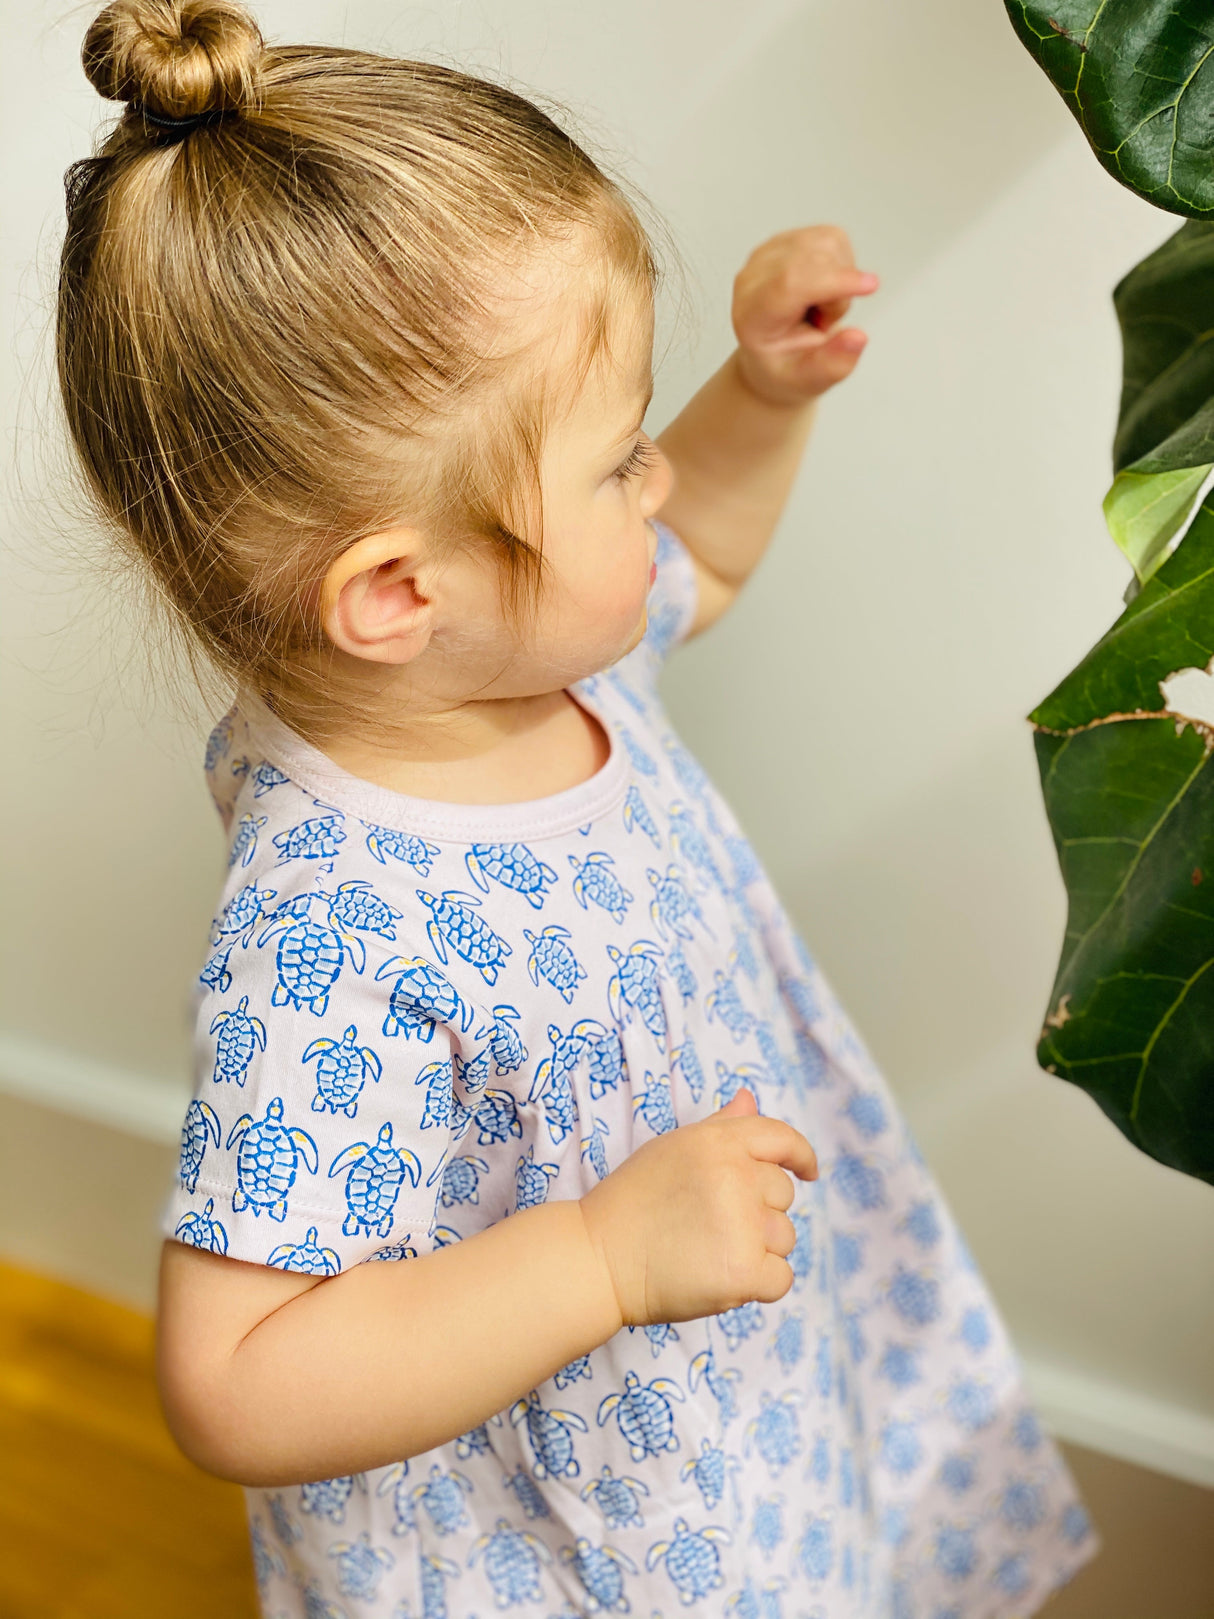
x: 101, y: 1517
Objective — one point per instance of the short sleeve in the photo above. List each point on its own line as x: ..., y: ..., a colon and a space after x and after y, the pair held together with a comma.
x: 672, y: 601
x: 329, y: 1076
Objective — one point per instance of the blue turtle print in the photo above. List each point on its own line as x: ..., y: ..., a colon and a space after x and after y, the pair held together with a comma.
x: 461, y: 1180
x: 552, y: 959
x: 215, y: 974
x: 453, y: 922
x: 267, y: 1161
x: 512, y: 1560
x: 672, y: 903
x: 327, y: 1498
x: 601, y: 1571
x: 394, y: 1481
x: 285, y: 1526
x: 360, y: 1566
x: 200, y: 1128
x: 527, y: 1493
x: 509, y: 1052
x: 741, y: 1322
x: 708, y: 1471
x: 267, y: 1564
x: 788, y: 1340
x: 775, y: 1431
x: 549, y: 1433
x: 513, y: 866
x: 266, y: 777
x: 376, y: 1175
x: 616, y: 1498
x: 240, y: 1036
x: 242, y: 914
x: 386, y: 841
x: 317, y: 838
x: 421, y: 997
x: 680, y: 970
x: 496, y: 1118
x: 532, y: 1180
x: 692, y: 1559
x: 442, y: 1499
x: 202, y: 1230
x: 356, y: 905
x: 633, y: 987
x: 691, y: 846
x: 644, y: 1414
x: 653, y: 1104
x: 723, y: 1004
x: 219, y: 741
x: 767, y: 1523
x: 342, y: 1069
x: 307, y: 1257
x: 593, y: 880
x: 592, y: 1147
x: 244, y: 844
x: 636, y: 815
x: 310, y: 954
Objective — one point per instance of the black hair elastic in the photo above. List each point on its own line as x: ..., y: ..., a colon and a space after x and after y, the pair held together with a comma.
x: 179, y: 126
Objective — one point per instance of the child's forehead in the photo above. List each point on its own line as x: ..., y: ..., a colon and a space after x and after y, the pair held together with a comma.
x: 576, y: 321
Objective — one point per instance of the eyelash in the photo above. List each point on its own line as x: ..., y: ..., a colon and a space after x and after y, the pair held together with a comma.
x: 642, y: 457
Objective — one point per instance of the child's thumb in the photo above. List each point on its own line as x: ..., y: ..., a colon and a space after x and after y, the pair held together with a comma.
x: 742, y: 1101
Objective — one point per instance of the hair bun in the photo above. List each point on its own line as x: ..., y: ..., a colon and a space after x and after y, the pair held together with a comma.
x: 178, y: 58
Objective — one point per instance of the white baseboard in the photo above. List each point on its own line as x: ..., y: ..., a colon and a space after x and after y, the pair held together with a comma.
x: 1086, y: 1411
x: 151, y: 1109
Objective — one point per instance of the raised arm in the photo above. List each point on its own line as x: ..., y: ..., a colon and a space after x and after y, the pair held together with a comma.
x: 736, y: 446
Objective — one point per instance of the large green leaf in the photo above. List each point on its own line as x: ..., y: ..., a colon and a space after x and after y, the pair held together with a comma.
x: 1165, y: 434
x: 1129, y: 790
x: 1131, y: 1018
x: 1137, y: 76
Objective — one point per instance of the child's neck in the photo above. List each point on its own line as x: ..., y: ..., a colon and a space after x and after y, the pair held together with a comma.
x: 502, y: 752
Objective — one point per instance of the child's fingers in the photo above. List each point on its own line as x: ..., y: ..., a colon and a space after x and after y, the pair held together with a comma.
x: 775, y: 307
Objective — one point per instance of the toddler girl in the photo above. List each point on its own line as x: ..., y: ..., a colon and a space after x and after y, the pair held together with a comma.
x: 500, y: 1271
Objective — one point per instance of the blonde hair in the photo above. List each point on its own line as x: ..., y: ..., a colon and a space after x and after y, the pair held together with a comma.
x: 271, y: 320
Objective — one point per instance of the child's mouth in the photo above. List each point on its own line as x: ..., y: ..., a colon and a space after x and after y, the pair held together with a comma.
x: 653, y: 572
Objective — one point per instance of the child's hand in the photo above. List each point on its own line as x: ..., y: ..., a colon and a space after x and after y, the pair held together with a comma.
x: 693, y: 1222
x: 787, y: 298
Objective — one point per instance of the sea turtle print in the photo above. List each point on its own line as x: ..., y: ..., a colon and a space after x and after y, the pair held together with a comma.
x: 512, y: 1561
x: 421, y: 998
x: 692, y: 1559
x: 601, y: 1570
x: 201, y: 1128
x: 342, y: 1069
x: 376, y: 1175
x: 240, y: 1036
x: 312, y: 950
x: 618, y: 1499
x: 513, y: 866
x: 453, y: 922
x: 595, y: 880
x: 244, y: 844
x: 385, y: 842
x: 416, y: 1021
x: 552, y: 958
x: 307, y: 1257
x: 360, y: 1566
x: 202, y: 1230
x: 268, y: 1160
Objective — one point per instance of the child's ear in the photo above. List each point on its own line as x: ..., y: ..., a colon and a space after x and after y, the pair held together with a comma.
x: 370, y: 603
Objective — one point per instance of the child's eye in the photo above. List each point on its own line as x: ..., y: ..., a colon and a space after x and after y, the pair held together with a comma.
x: 644, y: 454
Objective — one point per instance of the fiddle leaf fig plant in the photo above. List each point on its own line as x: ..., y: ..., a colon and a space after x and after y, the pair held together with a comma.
x: 1129, y: 782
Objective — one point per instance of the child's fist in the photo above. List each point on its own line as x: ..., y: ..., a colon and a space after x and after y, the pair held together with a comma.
x: 787, y: 301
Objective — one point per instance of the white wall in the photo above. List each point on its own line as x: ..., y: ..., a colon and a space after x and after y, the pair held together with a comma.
x: 942, y: 563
